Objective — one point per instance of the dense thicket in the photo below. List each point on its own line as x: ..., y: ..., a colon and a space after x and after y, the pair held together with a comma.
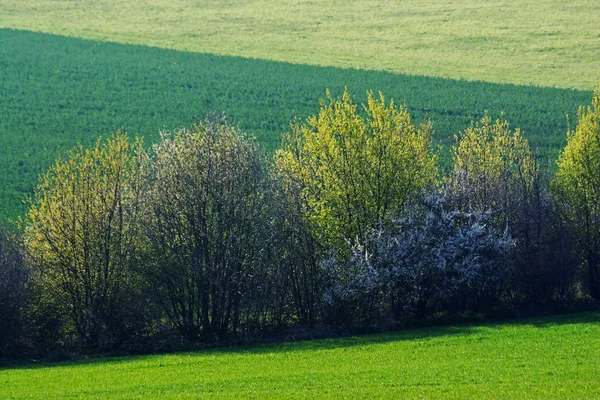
x: 577, y: 189
x: 204, y: 238
x: 14, y: 291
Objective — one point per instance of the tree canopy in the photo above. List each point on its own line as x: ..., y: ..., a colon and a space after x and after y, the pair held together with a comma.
x: 355, y: 170
x: 493, y: 170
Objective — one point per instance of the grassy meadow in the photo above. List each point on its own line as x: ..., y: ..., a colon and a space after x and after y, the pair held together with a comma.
x: 56, y: 92
x: 548, y: 43
x: 550, y: 357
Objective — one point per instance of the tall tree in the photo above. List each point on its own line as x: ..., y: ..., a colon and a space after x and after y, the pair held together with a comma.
x: 82, y: 231
x: 353, y: 173
x: 209, y: 227
x: 577, y: 188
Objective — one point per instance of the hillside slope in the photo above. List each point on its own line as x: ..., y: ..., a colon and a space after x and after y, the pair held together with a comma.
x: 56, y: 92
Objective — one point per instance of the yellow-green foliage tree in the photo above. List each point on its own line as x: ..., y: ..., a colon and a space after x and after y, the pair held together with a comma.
x: 577, y: 188
x: 82, y: 233
x: 493, y: 170
x: 352, y: 172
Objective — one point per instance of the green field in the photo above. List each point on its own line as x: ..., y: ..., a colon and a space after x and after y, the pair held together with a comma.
x: 263, y: 62
x: 551, y: 357
x: 545, y: 43
x: 56, y: 92
x: 71, y: 71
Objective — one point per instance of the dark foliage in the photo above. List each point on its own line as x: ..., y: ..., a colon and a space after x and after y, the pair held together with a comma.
x: 14, y: 291
x: 546, y: 267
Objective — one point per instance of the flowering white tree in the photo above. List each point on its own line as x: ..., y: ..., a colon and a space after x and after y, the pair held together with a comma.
x: 442, y: 258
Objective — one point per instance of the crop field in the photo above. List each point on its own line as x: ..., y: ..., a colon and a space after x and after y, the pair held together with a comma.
x: 56, y: 92
x: 263, y: 63
x: 544, y: 43
x: 551, y: 357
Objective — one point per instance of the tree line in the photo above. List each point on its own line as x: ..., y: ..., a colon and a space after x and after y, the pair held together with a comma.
x: 205, y: 238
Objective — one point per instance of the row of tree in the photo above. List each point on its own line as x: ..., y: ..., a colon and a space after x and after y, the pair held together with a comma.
x: 206, y: 239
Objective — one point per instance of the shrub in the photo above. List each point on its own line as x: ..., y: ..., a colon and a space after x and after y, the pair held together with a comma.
x: 433, y: 260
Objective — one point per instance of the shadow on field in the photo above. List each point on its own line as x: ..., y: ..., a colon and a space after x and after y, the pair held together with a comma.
x: 418, y: 334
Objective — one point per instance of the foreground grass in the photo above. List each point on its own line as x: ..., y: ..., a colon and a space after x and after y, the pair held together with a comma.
x: 548, y: 43
x: 56, y: 92
x: 556, y: 357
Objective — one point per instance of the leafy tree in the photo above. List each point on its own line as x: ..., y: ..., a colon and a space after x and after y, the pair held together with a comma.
x: 82, y: 232
x: 577, y: 188
x: 353, y: 172
x: 211, y: 231
x: 495, y: 172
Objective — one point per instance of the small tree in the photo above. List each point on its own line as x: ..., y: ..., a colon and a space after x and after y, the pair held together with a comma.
x: 82, y: 232
x: 353, y: 173
x: 577, y: 189
x: 494, y: 171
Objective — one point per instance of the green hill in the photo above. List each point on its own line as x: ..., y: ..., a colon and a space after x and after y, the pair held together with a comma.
x: 56, y: 92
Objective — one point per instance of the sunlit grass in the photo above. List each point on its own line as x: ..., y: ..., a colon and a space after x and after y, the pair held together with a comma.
x: 552, y: 357
x: 546, y: 43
